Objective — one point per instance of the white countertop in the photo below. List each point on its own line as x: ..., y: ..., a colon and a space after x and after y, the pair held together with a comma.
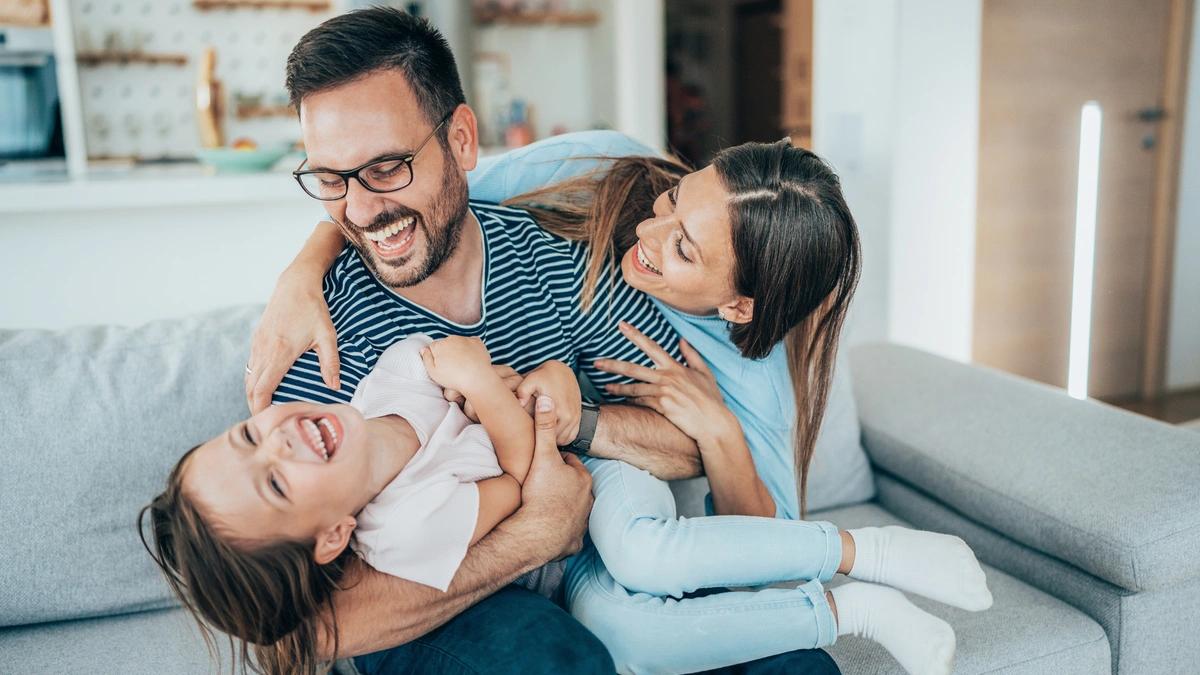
x: 187, y: 185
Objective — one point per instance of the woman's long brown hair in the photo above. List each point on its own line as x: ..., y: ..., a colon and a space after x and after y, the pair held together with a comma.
x: 273, y: 597
x: 796, y: 253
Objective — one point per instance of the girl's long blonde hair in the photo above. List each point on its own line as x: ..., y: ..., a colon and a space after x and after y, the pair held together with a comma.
x: 796, y: 253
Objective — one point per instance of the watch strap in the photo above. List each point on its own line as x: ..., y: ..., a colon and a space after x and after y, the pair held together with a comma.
x: 589, y: 413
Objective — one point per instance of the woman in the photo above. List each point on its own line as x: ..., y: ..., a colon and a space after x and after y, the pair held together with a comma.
x: 753, y: 260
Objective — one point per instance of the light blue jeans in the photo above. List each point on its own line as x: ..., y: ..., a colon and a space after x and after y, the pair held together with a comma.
x: 628, y: 584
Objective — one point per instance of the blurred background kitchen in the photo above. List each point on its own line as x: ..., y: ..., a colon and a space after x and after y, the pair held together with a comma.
x: 1025, y: 174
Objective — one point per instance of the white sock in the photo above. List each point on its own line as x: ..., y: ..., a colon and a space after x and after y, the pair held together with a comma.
x: 937, y: 566
x: 921, y: 642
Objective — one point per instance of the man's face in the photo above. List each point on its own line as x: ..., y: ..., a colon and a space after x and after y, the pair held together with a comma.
x: 403, y: 236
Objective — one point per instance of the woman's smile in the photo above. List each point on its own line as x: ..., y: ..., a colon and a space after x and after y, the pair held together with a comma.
x: 643, y: 262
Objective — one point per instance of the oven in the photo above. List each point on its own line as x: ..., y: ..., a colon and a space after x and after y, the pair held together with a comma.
x: 31, y: 130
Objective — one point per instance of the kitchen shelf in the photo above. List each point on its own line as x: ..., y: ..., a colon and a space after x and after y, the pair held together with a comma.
x: 97, y: 58
x: 245, y: 112
x: 492, y: 18
x: 310, y: 5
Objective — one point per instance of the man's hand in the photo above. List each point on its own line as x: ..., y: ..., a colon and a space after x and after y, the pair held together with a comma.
x: 556, y: 380
x: 558, y: 489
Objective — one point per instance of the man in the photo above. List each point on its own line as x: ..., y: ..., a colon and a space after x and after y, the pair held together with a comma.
x: 389, y: 142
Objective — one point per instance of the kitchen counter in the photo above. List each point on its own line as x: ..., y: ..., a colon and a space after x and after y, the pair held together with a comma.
x: 159, y: 186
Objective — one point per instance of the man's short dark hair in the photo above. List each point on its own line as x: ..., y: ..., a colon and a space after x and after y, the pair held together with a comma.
x: 364, y: 41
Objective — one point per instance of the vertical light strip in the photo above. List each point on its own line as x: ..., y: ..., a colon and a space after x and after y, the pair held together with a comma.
x: 1086, y: 193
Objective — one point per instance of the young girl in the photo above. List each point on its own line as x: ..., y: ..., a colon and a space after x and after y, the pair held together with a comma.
x: 256, y: 525
x: 757, y: 247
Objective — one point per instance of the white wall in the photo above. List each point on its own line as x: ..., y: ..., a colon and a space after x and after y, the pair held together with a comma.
x: 1183, y: 340
x: 934, y: 176
x: 639, y: 70
x: 854, y: 49
x: 895, y: 110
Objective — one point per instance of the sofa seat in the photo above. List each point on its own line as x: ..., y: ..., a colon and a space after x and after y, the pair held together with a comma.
x: 1025, y: 631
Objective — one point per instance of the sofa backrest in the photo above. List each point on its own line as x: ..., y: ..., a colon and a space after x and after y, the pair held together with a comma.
x: 93, y: 419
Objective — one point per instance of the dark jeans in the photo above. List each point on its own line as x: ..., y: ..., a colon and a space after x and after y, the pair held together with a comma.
x: 516, y: 631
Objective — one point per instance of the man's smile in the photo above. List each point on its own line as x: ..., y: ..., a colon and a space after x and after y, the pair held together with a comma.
x: 395, y: 240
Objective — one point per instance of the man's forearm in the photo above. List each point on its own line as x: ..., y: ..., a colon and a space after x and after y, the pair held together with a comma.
x: 380, y: 611
x: 645, y: 439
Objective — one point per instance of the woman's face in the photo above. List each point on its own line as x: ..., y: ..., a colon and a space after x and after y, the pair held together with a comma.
x: 684, y: 255
x: 289, y: 472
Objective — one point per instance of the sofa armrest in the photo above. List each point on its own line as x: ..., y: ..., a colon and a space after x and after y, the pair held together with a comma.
x: 1108, y: 491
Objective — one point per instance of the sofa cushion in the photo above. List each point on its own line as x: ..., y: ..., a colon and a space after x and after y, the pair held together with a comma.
x: 94, y: 418
x: 1025, y: 631
x: 1149, y: 632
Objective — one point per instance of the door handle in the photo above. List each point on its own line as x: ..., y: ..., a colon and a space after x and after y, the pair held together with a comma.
x: 1155, y: 114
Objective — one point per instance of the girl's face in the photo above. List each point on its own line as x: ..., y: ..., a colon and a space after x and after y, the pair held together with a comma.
x: 684, y: 255
x: 290, y: 472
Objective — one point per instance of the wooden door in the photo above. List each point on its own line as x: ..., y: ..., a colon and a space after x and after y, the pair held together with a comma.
x: 796, y: 67
x: 1040, y: 62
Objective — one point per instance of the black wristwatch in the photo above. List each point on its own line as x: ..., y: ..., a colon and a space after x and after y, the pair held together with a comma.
x: 588, y: 414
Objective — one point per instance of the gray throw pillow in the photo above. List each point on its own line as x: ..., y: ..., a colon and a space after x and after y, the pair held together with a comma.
x: 94, y: 419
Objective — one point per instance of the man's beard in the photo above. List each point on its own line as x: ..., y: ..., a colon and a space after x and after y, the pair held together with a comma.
x: 443, y: 231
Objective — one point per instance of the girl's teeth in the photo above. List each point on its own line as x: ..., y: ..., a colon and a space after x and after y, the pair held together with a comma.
x: 315, y: 435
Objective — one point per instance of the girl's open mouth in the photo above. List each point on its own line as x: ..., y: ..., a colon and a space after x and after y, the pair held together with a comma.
x: 323, y: 434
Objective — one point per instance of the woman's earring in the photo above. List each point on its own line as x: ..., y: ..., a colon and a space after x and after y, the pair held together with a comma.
x: 721, y: 314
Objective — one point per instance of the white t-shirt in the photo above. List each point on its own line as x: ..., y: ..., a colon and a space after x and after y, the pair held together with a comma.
x: 419, y: 527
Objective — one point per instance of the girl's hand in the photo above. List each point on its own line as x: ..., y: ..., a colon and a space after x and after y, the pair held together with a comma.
x: 556, y: 380
x: 687, y: 395
x: 295, y: 320
x: 459, y: 363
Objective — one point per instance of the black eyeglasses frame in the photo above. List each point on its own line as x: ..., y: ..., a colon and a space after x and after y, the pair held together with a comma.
x: 408, y: 159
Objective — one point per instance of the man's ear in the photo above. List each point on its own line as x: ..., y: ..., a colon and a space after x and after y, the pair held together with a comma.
x: 738, y: 310
x: 334, y: 540
x: 463, y: 137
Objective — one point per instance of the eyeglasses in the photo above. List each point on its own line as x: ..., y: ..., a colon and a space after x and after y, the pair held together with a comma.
x: 386, y: 174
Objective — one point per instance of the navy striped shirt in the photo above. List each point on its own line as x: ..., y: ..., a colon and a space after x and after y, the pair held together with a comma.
x: 531, y: 312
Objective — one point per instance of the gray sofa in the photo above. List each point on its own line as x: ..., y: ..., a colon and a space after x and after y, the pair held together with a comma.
x: 1086, y: 517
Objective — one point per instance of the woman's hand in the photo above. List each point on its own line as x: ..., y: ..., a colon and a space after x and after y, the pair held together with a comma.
x: 459, y: 363
x: 296, y: 320
x: 556, y: 380
x: 687, y: 395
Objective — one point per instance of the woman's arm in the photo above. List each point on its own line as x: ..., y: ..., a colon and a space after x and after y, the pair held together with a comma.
x: 319, y: 251
x: 296, y: 320
x: 732, y: 477
x: 687, y: 395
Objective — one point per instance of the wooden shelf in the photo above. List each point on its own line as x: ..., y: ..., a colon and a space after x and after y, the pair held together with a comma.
x: 245, y: 112
x: 97, y: 58
x: 310, y: 5
x: 493, y: 18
